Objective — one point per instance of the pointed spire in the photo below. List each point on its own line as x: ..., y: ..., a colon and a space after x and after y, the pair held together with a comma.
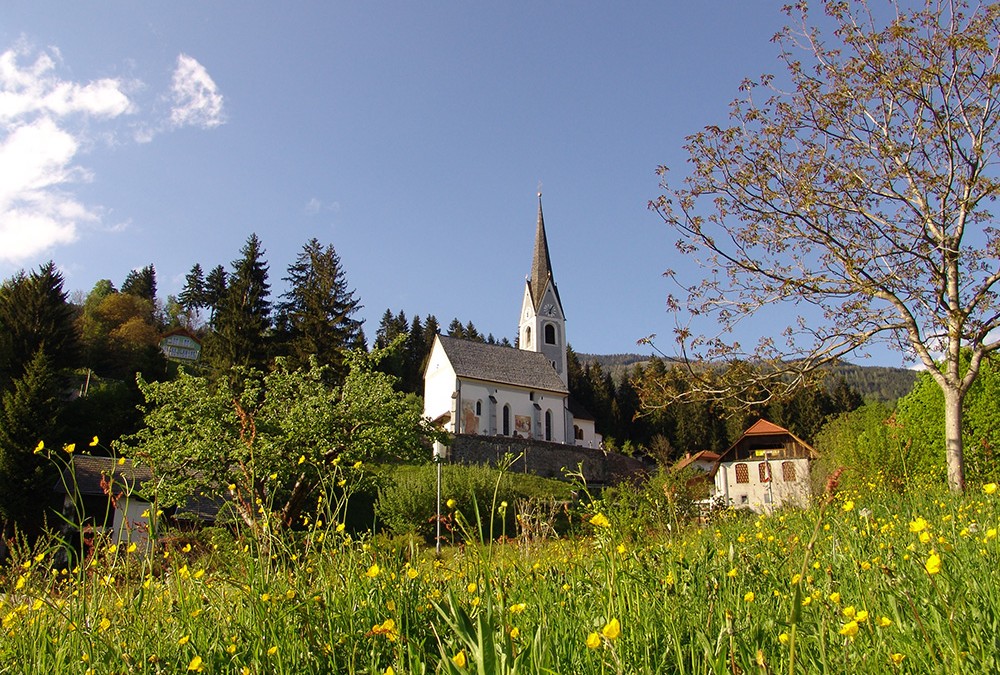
x: 541, y: 265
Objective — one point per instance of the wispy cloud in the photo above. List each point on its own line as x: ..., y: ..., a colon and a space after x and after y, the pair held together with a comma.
x: 316, y: 205
x: 38, y: 114
x: 195, y: 97
x: 46, y: 122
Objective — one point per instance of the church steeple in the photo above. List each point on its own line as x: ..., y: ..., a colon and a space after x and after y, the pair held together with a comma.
x: 543, y: 324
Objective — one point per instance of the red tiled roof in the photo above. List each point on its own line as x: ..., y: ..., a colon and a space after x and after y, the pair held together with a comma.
x: 763, y: 427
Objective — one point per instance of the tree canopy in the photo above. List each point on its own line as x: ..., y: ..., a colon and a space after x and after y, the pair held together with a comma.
x: 862, y: 192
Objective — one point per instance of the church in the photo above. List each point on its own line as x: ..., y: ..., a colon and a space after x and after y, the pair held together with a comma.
x: 482, y: 389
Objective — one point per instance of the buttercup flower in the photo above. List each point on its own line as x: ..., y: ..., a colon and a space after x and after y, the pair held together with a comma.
x: 990, y: 488
x: 849, y: 630
x: 612, y: 630
x: 459, y: 659
x: 593, y: 641
x: 933, y: 564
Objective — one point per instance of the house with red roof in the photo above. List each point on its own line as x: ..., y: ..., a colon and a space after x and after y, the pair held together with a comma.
x: 767, y: 467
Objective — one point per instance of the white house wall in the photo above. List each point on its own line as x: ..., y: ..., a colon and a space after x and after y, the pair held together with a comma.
x: 763, y: 495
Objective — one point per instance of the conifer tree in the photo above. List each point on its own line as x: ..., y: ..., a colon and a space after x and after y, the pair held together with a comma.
x: 316, y: 313
x: 215, y: 290
x: 192, y: 297
x: 35, y: 314
x: 28, y: 413
x: 141, y: 282
x: 244, y: 315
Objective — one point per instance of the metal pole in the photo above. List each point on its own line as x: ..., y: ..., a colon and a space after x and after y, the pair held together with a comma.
x: 439, y: 450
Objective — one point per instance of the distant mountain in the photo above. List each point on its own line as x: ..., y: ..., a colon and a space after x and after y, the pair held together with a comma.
x: 879, y: 383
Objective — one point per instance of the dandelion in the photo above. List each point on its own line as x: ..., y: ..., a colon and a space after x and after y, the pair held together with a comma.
x: 196, y: 665
x: 748, y: 597
x: 612, y: 630
x: 593, y: 641
x: 933, y: 564
x: 600, y: 520
x: 459, y: 659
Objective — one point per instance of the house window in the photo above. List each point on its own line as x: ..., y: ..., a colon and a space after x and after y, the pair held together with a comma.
x: 577, y: 433
x: 506, y: 420
x: 527, y: 336
x: 788, y: 471
x: 764, y: 469
x: 550, y: 334
x: 479, y: 408
x: 548, y: 425
x: 742, y: 473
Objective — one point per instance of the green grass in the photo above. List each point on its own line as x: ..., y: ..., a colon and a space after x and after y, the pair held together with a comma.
x: 719, y: 598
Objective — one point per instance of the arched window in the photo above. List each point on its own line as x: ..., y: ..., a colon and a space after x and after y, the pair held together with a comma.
x: 479, y: 408
x: 764, y: 469
x: 506, y: 420
x: 548, y: 425
x: 788, y: 471
x: 527, y: 336
x: 742, y: 473
x: 550, y: 334
x: 577, y: 433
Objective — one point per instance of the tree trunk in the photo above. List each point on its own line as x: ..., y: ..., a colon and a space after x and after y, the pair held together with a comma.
x: 954, y: 457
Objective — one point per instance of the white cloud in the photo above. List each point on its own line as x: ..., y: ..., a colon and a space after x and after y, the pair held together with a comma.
x: 38, y: 111
x: 196, y: 99
x: 315, y: 205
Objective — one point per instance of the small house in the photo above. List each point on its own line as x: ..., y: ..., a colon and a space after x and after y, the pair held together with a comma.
x: 767, y: 466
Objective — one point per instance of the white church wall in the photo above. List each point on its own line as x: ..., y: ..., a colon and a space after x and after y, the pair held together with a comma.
x: 439, y: 383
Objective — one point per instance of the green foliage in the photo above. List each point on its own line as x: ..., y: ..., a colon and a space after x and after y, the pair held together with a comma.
x: 407, y: 499
x: 35, y: 314
x: 315, y: 317
x: 28, y: 413
x: 243, y: 315
x: 268, y: 443
x: 920, y: 416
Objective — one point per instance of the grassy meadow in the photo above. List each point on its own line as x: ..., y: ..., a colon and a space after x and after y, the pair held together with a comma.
x: 861, y: 582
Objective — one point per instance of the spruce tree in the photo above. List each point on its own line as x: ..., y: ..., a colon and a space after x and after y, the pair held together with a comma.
x: 35, y: 314
x: 28, y: 413
x: 141, y: 282
x: 244, y: 314
x: 316, y: 313
x: 192, y: 296
x: 215, y: 290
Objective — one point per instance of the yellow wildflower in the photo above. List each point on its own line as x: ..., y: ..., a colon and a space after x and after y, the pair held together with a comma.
x: 94, y: 441
x: 272, y: 650
x: 39, y: 447
x: 835, y: 597
x: 896, y: 658
x: 933, y: 564
x: 70, y: 448
x: 784, y: 638
x: 372, y: 572
x: 459, y: 659
x: 918, y: 525
x: 593, y: 641
x: 600, y: 520
x: 196, y: 665
x: 612, y: 630
x: 748, y: 597
x: 518, y: 608
x: 849, y: 630
x: 990, y: 488
x: 450, y: 503
x: 884, y: 622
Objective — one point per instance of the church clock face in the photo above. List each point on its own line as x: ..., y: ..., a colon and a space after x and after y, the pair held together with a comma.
x: 549, y: 309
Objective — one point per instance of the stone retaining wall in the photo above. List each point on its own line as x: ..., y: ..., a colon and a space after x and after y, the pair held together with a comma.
x: 549, y: 460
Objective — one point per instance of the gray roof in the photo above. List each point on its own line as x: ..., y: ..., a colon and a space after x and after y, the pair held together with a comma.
x: 91, y: 472
x: 505, y: 365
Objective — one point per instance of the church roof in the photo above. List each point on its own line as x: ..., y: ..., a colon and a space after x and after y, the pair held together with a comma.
x: 503, y: 365
x: 541, y: 264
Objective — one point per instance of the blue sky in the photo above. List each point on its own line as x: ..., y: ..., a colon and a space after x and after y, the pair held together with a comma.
x: 411, y: 136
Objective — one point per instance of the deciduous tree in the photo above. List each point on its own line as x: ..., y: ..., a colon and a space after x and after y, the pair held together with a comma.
x: 863, y: 190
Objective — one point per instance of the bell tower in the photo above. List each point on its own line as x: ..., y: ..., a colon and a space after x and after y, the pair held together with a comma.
x: 542, y: 326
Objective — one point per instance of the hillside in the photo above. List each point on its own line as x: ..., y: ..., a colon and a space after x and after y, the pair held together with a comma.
x: 879, y: 383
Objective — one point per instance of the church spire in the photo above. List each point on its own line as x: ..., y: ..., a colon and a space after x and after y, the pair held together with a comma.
x: 541, y: 264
